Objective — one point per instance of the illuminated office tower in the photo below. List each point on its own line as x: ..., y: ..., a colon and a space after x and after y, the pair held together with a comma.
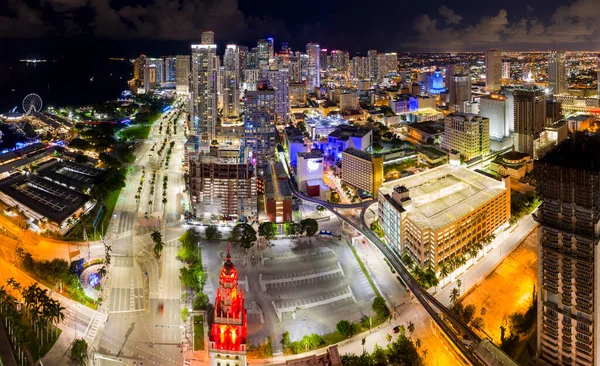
x: 271, y: 42
x: 295, y: 68
x: 530, y: 117
x: 170, y: 69
x: 506, y: 70
x: 495, y: 107
x: 263, y: 53
x: 467, y: 133
x: 231, y: 82
x: 243, y: 55
x: 340, y: 59
x: 259, y: 125
x: 208, y: 37
x: 458, y: 82
x: 205, y: 66
x: 182, y: 74
x: 569, y: 217
x: 313, y: 77
x: 557, y: 74
x: 493, y: 70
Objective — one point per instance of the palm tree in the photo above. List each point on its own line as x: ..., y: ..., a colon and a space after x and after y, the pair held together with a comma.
x: 454, y: 295
x: 418, y: 343
x: 388, y: 337
x: 14, y: 284
x: 102, y: 271
x: 3, y: 299
x: 444, y: 270
x: 411, y: 328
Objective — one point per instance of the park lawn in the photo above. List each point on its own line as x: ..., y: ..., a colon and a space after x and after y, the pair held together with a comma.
x: 136, y: 132
x: 109, y: 206
x: 76, y: 233
x: 198, y: 333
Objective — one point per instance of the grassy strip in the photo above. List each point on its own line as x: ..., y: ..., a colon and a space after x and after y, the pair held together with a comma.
x: 198, y: 333
x: 136, y: 132
x: 362, y: 266
x: 109, y: 206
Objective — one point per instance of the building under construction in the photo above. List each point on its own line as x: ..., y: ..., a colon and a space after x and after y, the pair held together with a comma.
x: 222, y: 187
x: 569, y: 217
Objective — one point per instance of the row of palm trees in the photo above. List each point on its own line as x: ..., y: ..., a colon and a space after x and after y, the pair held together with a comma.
x: 468, y: 253
x: 43, y: 312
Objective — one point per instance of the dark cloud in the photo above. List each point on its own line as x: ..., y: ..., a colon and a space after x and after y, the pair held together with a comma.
x: 572, y: 26
x: 450, y: 17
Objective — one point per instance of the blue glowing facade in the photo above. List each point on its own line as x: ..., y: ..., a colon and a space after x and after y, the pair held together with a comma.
x: 436, y: 82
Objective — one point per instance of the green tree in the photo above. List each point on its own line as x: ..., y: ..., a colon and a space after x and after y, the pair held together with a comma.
x: 285, y: 338
x: 212, y: 233
x: 245, y: 234
x: 267, y: 230
x: 454, y: 295
x: 309, y: 227
x: 79, y: 350
x: 380, y: 308
x: 158, y: 243
x: 469, y: 313
x: 344, y: 327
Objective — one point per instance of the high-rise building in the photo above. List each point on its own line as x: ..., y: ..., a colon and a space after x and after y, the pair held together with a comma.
x: 360, y: 68
x: 362, y: 170
x: 159, y: 65
x: 150, y: 77
x: 598, y: 74
x: 220, y: 186
x: 568, y: 281
x: 495, y: 107
x: 207, y: 37
x: 259, y: 125
x: 314, y: 68
x: 231, y: 82
x: 373, y: 65
x: 387, y: 63
x: 138, y: 67
x: 228, y: 335
x: 280, y: 81
x: 469, y: 134
x: 170, y: 69
x: 493, y: 70
x: 323, y: 59
x: 182, y: 72
x: 205, y: 66
x: 506, y: 70
x: 263, y: 53
x: 295, y: 68
x: 530, y: 117
x: 557, y: 73
x: 340, y: 60
x: 459, y: 90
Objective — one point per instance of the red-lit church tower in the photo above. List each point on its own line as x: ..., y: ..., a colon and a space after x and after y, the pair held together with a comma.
x: 228, y: 331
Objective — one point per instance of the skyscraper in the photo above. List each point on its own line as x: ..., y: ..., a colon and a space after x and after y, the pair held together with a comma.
x: 263, y: 53
x: 557, y: 74
x: 205, y: 65
x: 231, y: 87
x: 493, y: 70
x: 314, y: 67
x: 506, y: 70
x: 373, y: 65
x: 259, y: 125
x: 208, y: 37
x: 280, y: 81
x: 182, y: 72
x: 458, y: 85
x: 170, y: 69
x: 569, y: 217
x: 530, y: 117
x: 495, y: 107
x: 159, y: 64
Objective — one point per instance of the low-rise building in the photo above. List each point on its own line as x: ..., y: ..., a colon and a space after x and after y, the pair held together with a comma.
x: 426, y: 132
x: 278, y: 196
x: 293, y: 140
x: 345, y: 137
x: 513, y: 163
x: 431, y: 155
x: 309, y: 167
x: 435, y: 215
x: 579, y: 122
x: 362, y: 170
x: 50, y: 206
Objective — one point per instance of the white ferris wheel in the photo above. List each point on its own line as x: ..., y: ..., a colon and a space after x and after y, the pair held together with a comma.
x: 32, y: 103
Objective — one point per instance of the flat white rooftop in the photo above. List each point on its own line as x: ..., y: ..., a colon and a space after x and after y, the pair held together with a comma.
x: 445, y: 194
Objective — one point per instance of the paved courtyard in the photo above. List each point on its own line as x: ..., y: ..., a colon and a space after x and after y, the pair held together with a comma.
x: 300, y: 287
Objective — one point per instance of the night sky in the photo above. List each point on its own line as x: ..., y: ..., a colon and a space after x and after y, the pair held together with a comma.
x: 124, y: 28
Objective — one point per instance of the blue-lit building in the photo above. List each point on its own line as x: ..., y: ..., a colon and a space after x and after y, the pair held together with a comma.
x: 435, y: 82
